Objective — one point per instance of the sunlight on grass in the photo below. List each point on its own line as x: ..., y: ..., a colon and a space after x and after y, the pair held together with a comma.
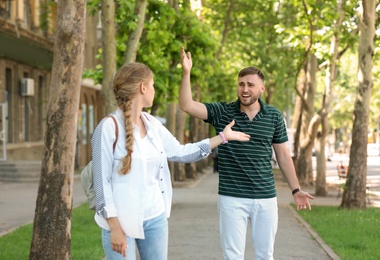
x: 352, y: 234
x: 85, y: 238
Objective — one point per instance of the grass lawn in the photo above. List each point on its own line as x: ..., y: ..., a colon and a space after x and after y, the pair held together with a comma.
x: 85, y: 238
x: 351, y: 234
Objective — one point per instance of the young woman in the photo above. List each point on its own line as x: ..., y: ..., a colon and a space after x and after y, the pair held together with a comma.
x: 132, y: 183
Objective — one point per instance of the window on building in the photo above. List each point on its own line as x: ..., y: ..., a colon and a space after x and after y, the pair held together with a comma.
x: 36, y: 13
x: 27, y: 112
x: 41, y: 83
x: 84, y: 123
x: 20, y: 10
x: 91, y: 114
x: 5, y: 9
x: 9, y: 100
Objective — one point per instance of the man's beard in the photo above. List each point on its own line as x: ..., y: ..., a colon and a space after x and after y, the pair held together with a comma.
x: 250, y: 102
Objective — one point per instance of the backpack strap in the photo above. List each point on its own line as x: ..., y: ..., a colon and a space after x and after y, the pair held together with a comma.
x: 116, y: 132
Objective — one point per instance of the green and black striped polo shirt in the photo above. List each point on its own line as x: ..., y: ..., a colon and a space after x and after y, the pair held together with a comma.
x: 245, y: 169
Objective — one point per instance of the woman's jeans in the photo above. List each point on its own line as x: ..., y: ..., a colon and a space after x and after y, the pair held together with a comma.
x: 153, y: 247
x: 234, y: 214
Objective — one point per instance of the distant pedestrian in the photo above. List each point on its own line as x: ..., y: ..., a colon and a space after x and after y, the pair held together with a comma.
x: 214, y: 152
x: 132, y: 183
x: 247, y: 189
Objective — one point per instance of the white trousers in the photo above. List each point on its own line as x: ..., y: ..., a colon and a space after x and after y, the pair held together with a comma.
x: 234, y: 214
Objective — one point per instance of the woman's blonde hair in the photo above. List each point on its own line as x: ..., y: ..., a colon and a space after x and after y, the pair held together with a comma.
x: 126, y: 85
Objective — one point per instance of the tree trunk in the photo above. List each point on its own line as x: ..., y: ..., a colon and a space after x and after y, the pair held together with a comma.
x: 191, y: 170
x: 297, y: 115
x: 354, y: 196
x: 309, y: 96
x: 203, y: 132
x: 109, y: 55
x: 269, y: 90
x: 174, y: 4
x: 320, y: 188
x: 320, y: 182
x: 170, y: 125
x: 52, y: 220
x: 309, y: 127
x: 180, y: 172
x: 134, y: 36
x: 226, y: 29
x: 304, y: 167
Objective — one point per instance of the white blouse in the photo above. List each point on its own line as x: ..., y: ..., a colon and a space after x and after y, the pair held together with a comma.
x: 123, y: 196
x: 154, y: 202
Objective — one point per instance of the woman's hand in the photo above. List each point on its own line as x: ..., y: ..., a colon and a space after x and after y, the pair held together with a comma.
x: 118, y: 241
x: 234, y: 135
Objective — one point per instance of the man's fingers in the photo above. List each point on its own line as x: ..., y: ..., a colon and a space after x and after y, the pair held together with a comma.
x: 304, y: 206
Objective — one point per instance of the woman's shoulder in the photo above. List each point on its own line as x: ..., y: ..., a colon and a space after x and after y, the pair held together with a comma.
x: 108, y: 122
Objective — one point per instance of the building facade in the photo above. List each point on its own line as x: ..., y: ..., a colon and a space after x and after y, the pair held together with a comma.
x: 26, y: 58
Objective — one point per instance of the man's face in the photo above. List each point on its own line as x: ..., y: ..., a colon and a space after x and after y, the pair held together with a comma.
x: 250, y: 87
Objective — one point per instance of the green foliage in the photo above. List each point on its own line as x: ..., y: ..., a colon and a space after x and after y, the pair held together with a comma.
x: 93, y: 6
x: 85, y: 238
x: 156, y: 46
x: 272, y: 35
x: 97, y: 73
x: 44, y: 15
x: 257, y: 37
x: 125, y: 20
x: 166, y: 30
x: 352, y: 234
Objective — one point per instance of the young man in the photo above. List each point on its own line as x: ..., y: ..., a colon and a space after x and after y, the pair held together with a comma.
x: 246, y: 181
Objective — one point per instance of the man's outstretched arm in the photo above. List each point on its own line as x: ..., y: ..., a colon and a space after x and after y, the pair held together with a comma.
x: 186, y: 102
x: 301, y: 198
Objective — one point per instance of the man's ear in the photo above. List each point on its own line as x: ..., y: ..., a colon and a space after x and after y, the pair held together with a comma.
x: 263, y: 88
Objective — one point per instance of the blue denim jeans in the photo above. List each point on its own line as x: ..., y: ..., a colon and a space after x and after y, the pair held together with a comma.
x: 153, y: 247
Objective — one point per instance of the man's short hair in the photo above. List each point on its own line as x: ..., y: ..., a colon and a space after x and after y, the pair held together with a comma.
x: 251, y: 71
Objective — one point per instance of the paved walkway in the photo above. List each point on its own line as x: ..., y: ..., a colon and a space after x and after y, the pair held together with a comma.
x: 193, y: 226
x: 194, y: 231
x: 18, y: 203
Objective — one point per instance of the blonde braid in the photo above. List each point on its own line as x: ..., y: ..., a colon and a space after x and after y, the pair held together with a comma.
x: 127, y: 160
x: 126, y: 85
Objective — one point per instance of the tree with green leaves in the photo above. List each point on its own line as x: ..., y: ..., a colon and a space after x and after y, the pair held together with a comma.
x: 331, y: 71
x: 115, y: 44
x: 354, y: 196
x: 135, y: 34
x: 52, y: 220
x: 304, y: 122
